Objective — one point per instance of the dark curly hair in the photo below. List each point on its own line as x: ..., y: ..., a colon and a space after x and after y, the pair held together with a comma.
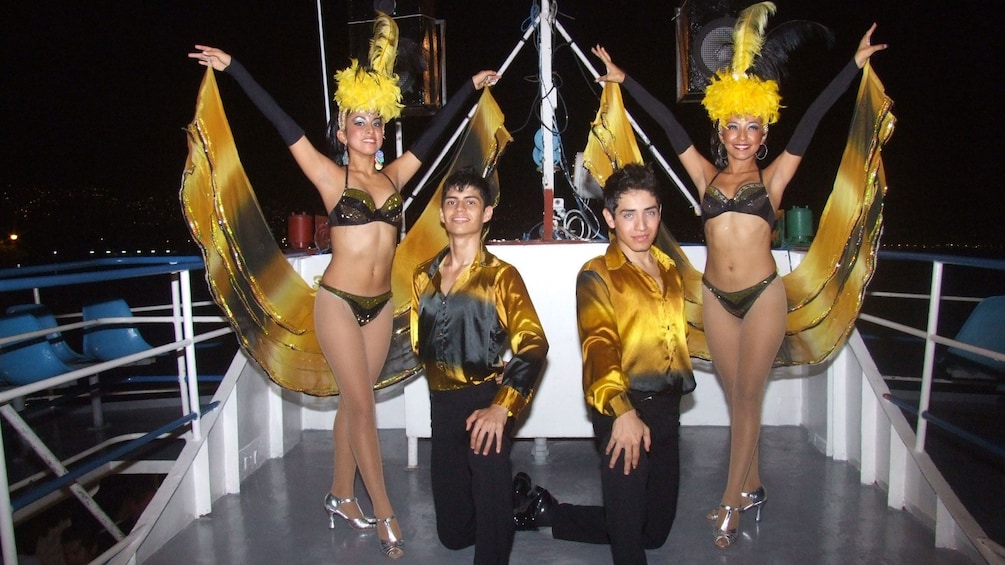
x: 630, y: 177
x: 464, y: 177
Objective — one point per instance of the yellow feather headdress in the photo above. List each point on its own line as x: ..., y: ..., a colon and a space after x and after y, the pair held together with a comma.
x: 735, y: 91
x: 375, y: 88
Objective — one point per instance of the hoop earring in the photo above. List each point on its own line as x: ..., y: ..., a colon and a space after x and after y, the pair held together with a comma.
x: 760, y: 156
x: 378, y: 160
x: 720, y: 152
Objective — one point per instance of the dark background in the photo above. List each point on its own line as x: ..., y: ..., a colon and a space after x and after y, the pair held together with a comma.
x: 96, y: 95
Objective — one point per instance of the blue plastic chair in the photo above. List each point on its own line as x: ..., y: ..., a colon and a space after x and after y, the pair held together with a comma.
x: 112, y: 341
x: 28, y: 361
x: 47, y: 320
x: 984, y: 328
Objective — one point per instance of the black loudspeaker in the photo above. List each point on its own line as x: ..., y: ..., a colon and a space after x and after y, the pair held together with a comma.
x: 419, y: 63
x: 704, y: 44
x: 362, y: 10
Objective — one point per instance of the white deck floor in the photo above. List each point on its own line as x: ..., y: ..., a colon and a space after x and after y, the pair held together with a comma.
x: 818, y: 512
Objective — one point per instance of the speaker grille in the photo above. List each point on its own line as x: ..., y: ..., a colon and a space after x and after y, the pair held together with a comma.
x: 704, y: 44
x: 715, y: 46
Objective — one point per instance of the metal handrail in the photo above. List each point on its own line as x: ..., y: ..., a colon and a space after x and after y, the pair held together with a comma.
x: 104, y: 322
x: 53, y: 485
x: 958, y: 260
x: 185, y: 339
x: 975, y: 439
x: 46, y: 276
x: 59, y: 380
x: 930, y: 334
x: 41, y: 475
x: 989, y: 353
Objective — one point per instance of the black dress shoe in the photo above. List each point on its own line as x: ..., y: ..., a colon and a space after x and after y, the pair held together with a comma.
x: 538, y: 512
x: 522, y: 488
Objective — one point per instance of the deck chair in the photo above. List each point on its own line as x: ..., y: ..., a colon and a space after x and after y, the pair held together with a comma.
x: 47, y: 320
x: 27, y: 361
x: 112, y: 341
x: 34, y: 359
x: 984, y: 328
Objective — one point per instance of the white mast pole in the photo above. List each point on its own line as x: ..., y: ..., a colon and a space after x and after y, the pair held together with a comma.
x: 324, y: 67
x: 635, y: 125
x: 549, y: 100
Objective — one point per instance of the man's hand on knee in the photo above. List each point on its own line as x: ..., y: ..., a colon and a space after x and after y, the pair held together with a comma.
x: 487, y: 425
x: 628, y: 437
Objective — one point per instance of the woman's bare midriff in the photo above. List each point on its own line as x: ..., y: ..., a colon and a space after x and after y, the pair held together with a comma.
x: 361, y: 258
x: 739, y: 251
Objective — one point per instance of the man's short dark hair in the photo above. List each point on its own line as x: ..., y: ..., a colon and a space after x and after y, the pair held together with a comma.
x: 465, y: 177
x: 630, y: 177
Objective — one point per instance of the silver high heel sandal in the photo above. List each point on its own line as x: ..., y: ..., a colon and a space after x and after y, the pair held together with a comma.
x: 724, y: 535
x: 757, y: 499
x: 393, y: 546
x: 332, y: 505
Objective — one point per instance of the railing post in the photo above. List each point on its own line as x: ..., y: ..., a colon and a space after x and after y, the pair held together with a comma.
x: 9, y: 544
x: 189, y: 333
x: 179, y: 335
x: 97, y: 412
x: 929, y: 367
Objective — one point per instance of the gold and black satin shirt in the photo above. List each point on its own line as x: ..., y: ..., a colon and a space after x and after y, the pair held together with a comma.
x: 634, y: 335
x: 460, y: 336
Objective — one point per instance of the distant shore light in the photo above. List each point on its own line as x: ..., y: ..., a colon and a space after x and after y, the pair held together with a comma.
x: 13, y: 237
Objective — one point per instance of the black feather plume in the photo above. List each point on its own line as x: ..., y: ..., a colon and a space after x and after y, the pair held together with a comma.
x: 782, y: 41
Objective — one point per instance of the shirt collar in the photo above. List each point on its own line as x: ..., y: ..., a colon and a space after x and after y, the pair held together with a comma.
x: 482, y: 259
x: 616, y: 258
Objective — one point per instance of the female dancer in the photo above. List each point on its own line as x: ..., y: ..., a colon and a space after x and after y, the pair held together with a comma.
x: 743, y: 301
x: 351, y: 313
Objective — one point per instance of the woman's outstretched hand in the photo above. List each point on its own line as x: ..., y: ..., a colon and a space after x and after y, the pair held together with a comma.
x: 485, y: 78
x: 211, y: 57
x: 614, y: 72
x: 866, y: 48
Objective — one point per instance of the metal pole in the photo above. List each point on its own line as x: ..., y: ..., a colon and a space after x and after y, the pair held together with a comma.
x: 926, y: 375
x: 7, y: 541
x: 549, y: 100
x: 56, y: 466
x: 635, y: 126
x: 179, y: 334
x: 464, y: 123
x: 192, y: 372
x: 324, y: 67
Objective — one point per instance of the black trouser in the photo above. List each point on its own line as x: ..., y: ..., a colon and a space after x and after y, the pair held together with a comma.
x: 471, y: 492
x: 639, y: 508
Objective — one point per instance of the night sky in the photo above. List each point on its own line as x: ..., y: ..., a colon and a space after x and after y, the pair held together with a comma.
x: 96, y: 95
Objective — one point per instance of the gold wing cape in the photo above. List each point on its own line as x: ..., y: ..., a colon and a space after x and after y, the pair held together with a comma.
x: 825, y: 290
x: 269, y: 305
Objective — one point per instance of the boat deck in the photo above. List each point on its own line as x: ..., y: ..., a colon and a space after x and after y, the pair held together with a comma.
x: 818, y: 512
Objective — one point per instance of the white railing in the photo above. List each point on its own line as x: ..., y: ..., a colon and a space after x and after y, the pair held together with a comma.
x: 43, y: 488
x: 930, y: 333
x: 913, y: 482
